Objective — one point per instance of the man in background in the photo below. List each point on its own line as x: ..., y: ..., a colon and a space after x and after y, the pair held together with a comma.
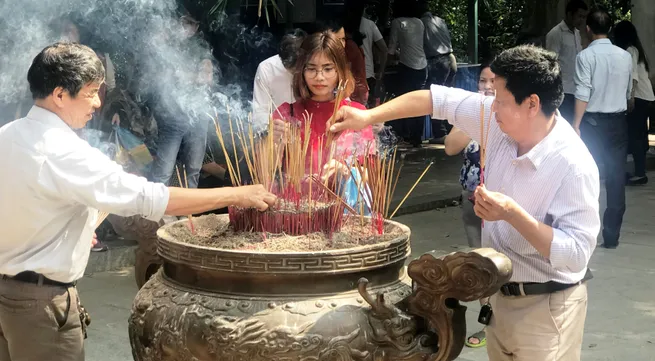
x: 442, y: 65
x: 373, y: 55
x: 273, y: 80
x: 564, y: 39
x: 603, y: 83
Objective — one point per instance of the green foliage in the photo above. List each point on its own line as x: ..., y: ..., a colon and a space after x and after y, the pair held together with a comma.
x: 500, y: 22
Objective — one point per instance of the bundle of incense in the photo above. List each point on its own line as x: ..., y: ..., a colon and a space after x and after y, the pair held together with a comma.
x: 185, y: 185
x: 484, y: 137
x: 339, y: 97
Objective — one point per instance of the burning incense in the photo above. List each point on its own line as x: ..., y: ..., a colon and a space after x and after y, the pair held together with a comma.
x: 411, y: 189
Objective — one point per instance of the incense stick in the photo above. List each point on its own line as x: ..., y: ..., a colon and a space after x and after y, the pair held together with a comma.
x: 410, y: 191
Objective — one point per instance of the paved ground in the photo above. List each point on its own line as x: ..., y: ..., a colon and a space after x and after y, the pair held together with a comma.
x: 622, y: 297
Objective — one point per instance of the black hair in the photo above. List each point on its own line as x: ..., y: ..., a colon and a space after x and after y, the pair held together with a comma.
x: 352, y: 21
x: 289, y: 47
x: 574, y: 5
x: 625, y: 36
x: 67, y: 65
x: 528, y: 70
x: 331, y: 23
x: 599, y: 22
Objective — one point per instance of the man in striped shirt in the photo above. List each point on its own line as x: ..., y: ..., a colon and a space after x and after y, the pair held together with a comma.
x: 539, y: 201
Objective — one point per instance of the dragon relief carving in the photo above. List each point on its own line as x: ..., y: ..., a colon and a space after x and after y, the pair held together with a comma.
x: 395, y: 331
x: 439, y: 285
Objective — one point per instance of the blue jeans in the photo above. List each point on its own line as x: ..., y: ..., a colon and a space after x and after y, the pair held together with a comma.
x: 179, y: 139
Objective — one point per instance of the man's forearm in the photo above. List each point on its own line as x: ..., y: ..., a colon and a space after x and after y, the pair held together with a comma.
x: 539, y: 235
x: 580, y: 108
x: 183, y: 201
x: 415, y: 104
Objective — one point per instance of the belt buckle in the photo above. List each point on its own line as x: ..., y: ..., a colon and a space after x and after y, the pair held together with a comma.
x: 510, y: 289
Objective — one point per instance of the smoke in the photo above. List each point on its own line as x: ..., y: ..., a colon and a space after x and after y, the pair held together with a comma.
x: 148, y: 44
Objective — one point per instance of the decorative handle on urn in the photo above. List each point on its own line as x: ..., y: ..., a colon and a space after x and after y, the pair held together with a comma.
x: 439, y: 283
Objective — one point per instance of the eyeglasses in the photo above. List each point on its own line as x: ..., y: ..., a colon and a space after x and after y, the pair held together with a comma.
x: 328, y: 73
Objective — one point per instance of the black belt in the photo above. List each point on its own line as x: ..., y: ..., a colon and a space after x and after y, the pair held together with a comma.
x: 534, y: 288
x: 38, y: 279
x: 438, y: 56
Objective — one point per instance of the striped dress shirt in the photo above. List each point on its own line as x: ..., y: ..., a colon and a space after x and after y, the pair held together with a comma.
x: 557, y: 182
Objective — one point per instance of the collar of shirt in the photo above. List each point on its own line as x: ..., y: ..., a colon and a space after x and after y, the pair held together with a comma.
x: 564, y: 27
x: 49, y: 118
x: 540, y: 152
x: 600, y: 41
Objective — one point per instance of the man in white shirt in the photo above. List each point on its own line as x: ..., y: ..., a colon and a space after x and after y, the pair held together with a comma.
x: 373, y: 37
x: 274, y: 78
x: 564, y: 39
x: 603, y: 79
x: 548, y: 235
x: 54, y: 185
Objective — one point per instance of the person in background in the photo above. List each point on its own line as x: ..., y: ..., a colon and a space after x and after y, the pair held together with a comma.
x: 50, y: 205
x: 603, y: 85
x: 375, y: 52
x: 274, y: 77
x: 354, y: 52
x: 181, y: 135
x: 641, y: 98
x: 321, y: 66
x: 442, y: 65
x: 564, y: 39
x: 457, y: 141
x: 406, y: 43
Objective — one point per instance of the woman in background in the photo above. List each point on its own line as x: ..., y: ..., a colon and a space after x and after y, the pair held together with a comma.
x: 625, y: 37
x: 320, y: 67
x: 456, y: 142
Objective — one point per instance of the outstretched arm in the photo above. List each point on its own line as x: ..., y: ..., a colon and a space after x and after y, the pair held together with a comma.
x: 462, y: 109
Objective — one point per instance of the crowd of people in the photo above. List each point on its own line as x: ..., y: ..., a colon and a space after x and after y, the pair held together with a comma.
x: 556, y: 120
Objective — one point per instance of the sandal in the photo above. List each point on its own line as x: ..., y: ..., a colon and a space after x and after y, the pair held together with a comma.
x: 481, y: 336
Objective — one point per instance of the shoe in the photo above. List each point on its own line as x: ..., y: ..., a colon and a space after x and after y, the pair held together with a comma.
x: 606, y: 246
x: 99, y: 247
x: 637, y: 181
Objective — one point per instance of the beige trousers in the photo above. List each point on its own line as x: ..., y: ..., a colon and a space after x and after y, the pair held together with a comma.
x: 538, y: 328
x: 39, y: 323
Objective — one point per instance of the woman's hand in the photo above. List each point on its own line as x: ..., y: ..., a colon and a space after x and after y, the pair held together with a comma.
x: 280, y: 130
x: 333, y: 171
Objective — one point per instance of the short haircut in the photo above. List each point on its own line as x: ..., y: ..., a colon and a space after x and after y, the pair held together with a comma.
x: 599, y: 22
x: 574, y: 5
x: 528, y: 70
x: 67, y: 65
x: 327, y: 43
x: 289, y: 46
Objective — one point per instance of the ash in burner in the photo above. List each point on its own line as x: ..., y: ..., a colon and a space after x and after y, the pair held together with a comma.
x: 215, y: 231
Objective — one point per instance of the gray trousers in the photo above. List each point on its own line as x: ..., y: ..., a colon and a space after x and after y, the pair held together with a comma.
x: 472, y: 223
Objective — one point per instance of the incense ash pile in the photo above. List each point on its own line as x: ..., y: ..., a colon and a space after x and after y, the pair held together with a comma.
x: 215, y: 231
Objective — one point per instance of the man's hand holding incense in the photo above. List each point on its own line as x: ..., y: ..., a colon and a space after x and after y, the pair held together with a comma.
x: 493, y: 206
x: 350, y: 118
x: 255, y: 196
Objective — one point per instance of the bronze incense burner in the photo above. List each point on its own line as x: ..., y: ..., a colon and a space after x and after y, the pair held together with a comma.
x: 358, y: 303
